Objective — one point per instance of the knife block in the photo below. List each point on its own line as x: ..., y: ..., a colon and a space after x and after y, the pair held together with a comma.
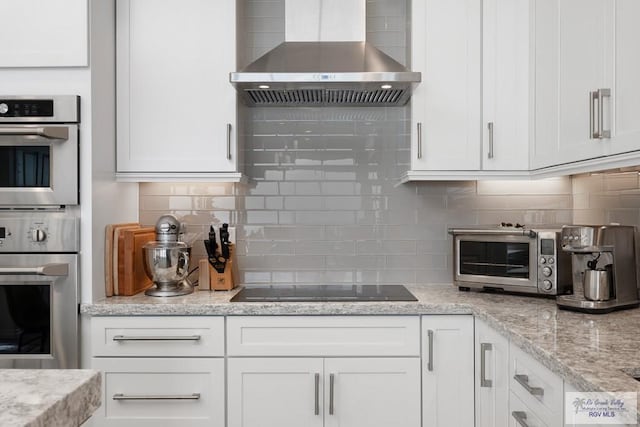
x: 222, y: 281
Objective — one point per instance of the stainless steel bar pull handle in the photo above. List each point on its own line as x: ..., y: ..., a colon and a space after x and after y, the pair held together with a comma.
x: 419, y: 133
x: 593, y: 133
x: 484, y: 347
x: 596, y: 117
x: 317, y: 394
x: 157, y: 338
x: 122, y: 396
x: 490, y: 127
x: 42, y: 270
x: 602, y: 93
x: 228, y: 141
x: 430, y: 361
x: 331, y: 385
x: 50, y: 132
x: 523, y: 380
x: 520, y: 417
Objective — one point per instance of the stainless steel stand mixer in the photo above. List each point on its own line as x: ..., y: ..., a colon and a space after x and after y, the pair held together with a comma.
x: 166, y: 259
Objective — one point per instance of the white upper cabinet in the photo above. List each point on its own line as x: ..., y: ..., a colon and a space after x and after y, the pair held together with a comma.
x: 587, y: 85
x: 38, y: 33
x: 506, y: 81
x: 176, y: 107
x: 446, y: 106
x: 470, y: 114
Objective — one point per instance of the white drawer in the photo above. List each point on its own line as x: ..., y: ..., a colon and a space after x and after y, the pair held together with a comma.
x: 537, y: 387
x: 323, y: 336
x: 520, y: 413
x: 161, y: 392
x: 157, y: 336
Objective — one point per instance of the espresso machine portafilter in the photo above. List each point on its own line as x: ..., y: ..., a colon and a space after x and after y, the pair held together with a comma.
x: 604, y: 268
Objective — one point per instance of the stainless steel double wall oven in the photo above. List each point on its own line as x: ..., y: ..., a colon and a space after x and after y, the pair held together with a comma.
x: 39, y: 234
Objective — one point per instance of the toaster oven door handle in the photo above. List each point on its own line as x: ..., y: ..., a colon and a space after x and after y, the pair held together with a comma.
x: 49, y: 132
x: 497, y: 232
x: 42, y: 270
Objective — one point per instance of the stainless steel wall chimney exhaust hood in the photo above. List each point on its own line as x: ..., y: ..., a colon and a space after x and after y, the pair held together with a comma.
x: 324, y: 73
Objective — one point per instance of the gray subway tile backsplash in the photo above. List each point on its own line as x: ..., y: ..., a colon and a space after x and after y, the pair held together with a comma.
x: 323, y: 204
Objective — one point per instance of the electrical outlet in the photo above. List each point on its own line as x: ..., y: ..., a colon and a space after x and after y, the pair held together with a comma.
x: 232, y: 235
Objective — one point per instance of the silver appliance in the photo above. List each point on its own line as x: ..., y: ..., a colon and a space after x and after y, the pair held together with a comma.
x: 39, y: 143
x: 324, y: 71
x: 605, y: 271
x: 39, y: 290
x: 166, y: 259
x: 510, y: 258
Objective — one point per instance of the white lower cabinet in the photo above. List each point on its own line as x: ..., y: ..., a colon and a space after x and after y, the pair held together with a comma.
x: 537, y: 388
x: 345, y: 392
x: 164, y: 392
x: 447, y: 371
x: 325, y: 371
x: 492, y: 377
x: 159, y: 371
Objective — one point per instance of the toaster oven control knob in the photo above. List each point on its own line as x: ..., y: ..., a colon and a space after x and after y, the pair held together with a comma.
x: 4, y: 108
x: 543, y: 260
x: 547, y: 285
x: 38, y: 235
x: 546, y: 271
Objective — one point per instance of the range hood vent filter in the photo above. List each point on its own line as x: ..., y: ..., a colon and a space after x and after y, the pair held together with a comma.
x: 325, y: 97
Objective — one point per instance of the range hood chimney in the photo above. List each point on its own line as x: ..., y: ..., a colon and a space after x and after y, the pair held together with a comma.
x: 325, y: 61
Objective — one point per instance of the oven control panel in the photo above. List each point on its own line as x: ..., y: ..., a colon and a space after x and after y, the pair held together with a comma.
x: 39, y: 234
x: 26, y: 108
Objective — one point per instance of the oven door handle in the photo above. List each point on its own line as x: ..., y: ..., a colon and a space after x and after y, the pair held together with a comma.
x: 49, y: 132
x: 494, y: 232
x: 42, y: 270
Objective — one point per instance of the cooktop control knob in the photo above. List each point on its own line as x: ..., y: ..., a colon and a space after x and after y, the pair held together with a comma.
x: 4, y: 108
x: 547, y: 285
x: 38, y: 235
x: 546, y: 271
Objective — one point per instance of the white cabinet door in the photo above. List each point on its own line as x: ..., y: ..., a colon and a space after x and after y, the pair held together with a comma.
x: 446, y: 122
x: 283, y: 392
x: 626, y: 89
x: 52, y: 33
x: 372, y: 392
x: 506, y: 85
x: 573, y: 45
x: 492, y: 377
x: 447, y: 371
x: 176, y: 109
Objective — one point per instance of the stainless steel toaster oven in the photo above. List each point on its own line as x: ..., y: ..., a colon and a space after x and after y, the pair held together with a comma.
x: 514, y: 259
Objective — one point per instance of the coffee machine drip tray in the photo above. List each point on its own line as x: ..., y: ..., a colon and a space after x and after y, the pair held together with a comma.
x: 323, y: 293
x: 578, y: 303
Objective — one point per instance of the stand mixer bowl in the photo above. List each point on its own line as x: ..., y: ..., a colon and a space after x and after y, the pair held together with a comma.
x: 167, y: 264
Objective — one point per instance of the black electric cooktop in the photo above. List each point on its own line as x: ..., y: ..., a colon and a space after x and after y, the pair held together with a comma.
x: 323, y: 293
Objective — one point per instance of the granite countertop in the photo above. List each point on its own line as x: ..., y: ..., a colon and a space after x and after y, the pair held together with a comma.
x: 48, y: 397
x: 587, y: 350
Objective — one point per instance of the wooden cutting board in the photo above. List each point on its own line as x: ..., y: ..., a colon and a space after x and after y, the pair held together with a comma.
x: 109, y: 249
x: 132, y: 277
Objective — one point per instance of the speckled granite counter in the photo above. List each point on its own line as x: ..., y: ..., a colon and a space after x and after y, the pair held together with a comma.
x: 586, y: 350
x: 48, y: 397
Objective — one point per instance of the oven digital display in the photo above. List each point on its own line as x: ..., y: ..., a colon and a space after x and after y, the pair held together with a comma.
x: 3, y: 232
x: 546, y: 247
